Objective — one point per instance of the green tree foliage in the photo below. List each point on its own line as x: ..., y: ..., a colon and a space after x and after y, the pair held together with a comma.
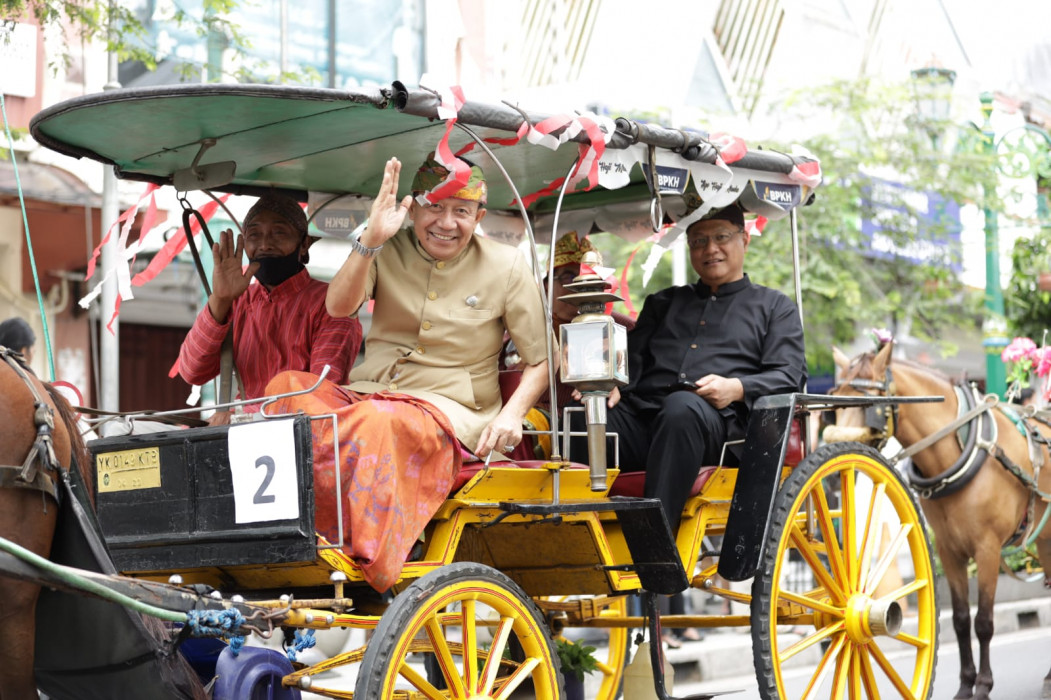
x: 873, y: 155
x: 870, y: 138
x: 123, y: 28
x: 1028, y: 308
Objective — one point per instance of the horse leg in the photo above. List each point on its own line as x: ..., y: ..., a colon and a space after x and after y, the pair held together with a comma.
x: 1043, y: 551
x: 988, y: 561
x: 23, y: 521
x: 956, y: 576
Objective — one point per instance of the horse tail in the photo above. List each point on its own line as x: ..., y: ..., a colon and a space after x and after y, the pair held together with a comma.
x: 79, y: 457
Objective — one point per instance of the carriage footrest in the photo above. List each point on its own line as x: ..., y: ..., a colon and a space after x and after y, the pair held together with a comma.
x: 654, y: 555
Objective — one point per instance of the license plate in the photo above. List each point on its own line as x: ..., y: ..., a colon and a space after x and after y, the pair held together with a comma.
x: 128, y: 470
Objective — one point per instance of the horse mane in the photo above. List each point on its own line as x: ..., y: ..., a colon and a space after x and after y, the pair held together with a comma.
x: 79, y: 455
x: 863, y: 363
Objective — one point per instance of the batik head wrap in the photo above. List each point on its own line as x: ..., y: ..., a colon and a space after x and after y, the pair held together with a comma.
x: 432, y: 173
x: 569, y: 249
x: 282, y: 205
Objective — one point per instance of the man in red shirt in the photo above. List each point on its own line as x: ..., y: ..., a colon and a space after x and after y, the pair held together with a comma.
x: 280, y: 323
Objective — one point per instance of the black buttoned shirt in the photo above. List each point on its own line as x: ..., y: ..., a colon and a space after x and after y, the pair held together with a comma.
x: 744, y: 331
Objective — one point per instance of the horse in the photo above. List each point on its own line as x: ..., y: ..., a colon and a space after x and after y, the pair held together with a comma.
x: 27, y: 514
x: 973, y: 516
x: 34, y: 450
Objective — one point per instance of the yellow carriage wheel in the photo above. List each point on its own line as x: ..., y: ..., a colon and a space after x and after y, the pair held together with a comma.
x: 845, y: 589
x: 484, y: 638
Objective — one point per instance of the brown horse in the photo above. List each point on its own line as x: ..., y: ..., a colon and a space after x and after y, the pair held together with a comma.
x: 27, y: 517
x: 973, y: 521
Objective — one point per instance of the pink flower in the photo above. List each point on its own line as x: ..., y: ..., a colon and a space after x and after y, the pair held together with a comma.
x: 882, y: 335
x: 1019, y: 349
x: 1042, y: 361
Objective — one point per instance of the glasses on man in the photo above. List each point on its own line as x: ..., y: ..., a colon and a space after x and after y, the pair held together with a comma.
x: 565, y: 278
x: 720, y: 239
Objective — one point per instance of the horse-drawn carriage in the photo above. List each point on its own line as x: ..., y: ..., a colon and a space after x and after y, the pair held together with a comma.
x: 832, y: 539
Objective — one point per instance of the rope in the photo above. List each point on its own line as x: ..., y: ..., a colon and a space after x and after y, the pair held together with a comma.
x: 29, y: 241
x: 304, y: 640
x: 218, y: 623
x: 67, y: 575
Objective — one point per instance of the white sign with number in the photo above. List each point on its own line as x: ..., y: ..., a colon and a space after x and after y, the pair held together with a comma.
x: 263, y: 468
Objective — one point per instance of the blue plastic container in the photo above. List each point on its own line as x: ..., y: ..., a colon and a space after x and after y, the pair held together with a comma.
x: 254, y: 674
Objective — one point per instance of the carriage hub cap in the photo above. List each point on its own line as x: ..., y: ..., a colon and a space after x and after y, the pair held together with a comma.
x: 867, y: 618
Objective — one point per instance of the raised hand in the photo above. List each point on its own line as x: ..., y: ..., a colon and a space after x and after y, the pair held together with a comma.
x: 388, y: 214
x: 229, y: 280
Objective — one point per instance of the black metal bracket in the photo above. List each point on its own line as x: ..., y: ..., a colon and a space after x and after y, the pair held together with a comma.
x: 653, y: 623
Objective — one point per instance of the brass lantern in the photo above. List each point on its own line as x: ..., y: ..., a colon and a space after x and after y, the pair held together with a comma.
x: 594, y: 357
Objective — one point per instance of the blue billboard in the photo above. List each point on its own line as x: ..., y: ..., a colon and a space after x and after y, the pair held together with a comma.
x: 933, y: 220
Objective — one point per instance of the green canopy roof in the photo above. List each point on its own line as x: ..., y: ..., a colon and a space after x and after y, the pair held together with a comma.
x: 323, y: 140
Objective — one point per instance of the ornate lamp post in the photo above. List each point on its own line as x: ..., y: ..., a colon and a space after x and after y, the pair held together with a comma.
x: 994, y: 327
x: 1024, y: 151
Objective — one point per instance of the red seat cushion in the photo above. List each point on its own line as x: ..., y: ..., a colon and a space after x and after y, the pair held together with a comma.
x: 631, y: 483
x: 794, y: 454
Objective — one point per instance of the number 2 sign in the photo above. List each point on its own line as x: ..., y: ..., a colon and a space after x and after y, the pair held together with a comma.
x: 263, y: 468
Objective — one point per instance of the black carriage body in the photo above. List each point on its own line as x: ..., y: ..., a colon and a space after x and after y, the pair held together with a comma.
x: 188, y: 520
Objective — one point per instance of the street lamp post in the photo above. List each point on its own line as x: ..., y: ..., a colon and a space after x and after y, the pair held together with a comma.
x: 1020, y: 153
x: 994, y: 330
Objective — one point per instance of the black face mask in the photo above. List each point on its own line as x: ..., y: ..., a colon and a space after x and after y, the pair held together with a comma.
x: 274, y: 271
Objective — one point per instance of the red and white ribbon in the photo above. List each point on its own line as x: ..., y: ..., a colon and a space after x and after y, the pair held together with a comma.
x: 731, y: 148
x: 459, y: 172
x: 126, y: 253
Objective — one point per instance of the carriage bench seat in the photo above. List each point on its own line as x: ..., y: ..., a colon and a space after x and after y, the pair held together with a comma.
x: 470, y: 469
x: 628, y: 483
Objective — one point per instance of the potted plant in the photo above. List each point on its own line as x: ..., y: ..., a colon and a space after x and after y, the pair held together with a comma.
x: 577, y: 660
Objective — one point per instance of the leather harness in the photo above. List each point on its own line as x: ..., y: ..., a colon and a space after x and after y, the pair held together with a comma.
x: 977, y: 442
x: 40, y: 469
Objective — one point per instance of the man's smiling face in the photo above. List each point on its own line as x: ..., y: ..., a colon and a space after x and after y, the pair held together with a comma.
x: 717, y: 249
x: 445, y: 227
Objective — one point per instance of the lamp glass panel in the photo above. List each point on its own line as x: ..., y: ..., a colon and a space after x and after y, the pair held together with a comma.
x: 585, y: 351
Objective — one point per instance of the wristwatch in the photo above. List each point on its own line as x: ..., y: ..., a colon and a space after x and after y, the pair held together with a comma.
x: 364, y: 250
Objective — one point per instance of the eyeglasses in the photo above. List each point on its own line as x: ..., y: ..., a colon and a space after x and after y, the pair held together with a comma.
x: 565, y: 278
x: 720, y: 239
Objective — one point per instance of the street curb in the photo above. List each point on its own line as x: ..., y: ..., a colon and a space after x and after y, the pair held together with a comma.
x: 729, y: 654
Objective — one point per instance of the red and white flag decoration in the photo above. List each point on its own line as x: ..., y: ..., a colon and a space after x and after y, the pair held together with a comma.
x: 755, y: 226
x: 731, y: 148
x: 807, y: 173
x: 589, y: 154
x: 459, y: 172
x: 126, y: 253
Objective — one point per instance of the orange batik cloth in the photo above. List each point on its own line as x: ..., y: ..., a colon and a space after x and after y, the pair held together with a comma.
x: 398, y: 458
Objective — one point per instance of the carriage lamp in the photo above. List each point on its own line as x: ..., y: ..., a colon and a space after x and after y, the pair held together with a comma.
x: 594, y: 357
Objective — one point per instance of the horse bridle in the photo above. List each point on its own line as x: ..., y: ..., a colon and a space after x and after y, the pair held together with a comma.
x: 42, y: 454
x: 881, y: 418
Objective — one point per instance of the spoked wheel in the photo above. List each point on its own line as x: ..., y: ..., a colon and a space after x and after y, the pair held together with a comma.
x: 613, y: 643
x: 487, y: 637
x: 845, y: 591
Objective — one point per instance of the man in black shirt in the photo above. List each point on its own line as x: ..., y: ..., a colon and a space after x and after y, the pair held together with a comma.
x: 699, y: 357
